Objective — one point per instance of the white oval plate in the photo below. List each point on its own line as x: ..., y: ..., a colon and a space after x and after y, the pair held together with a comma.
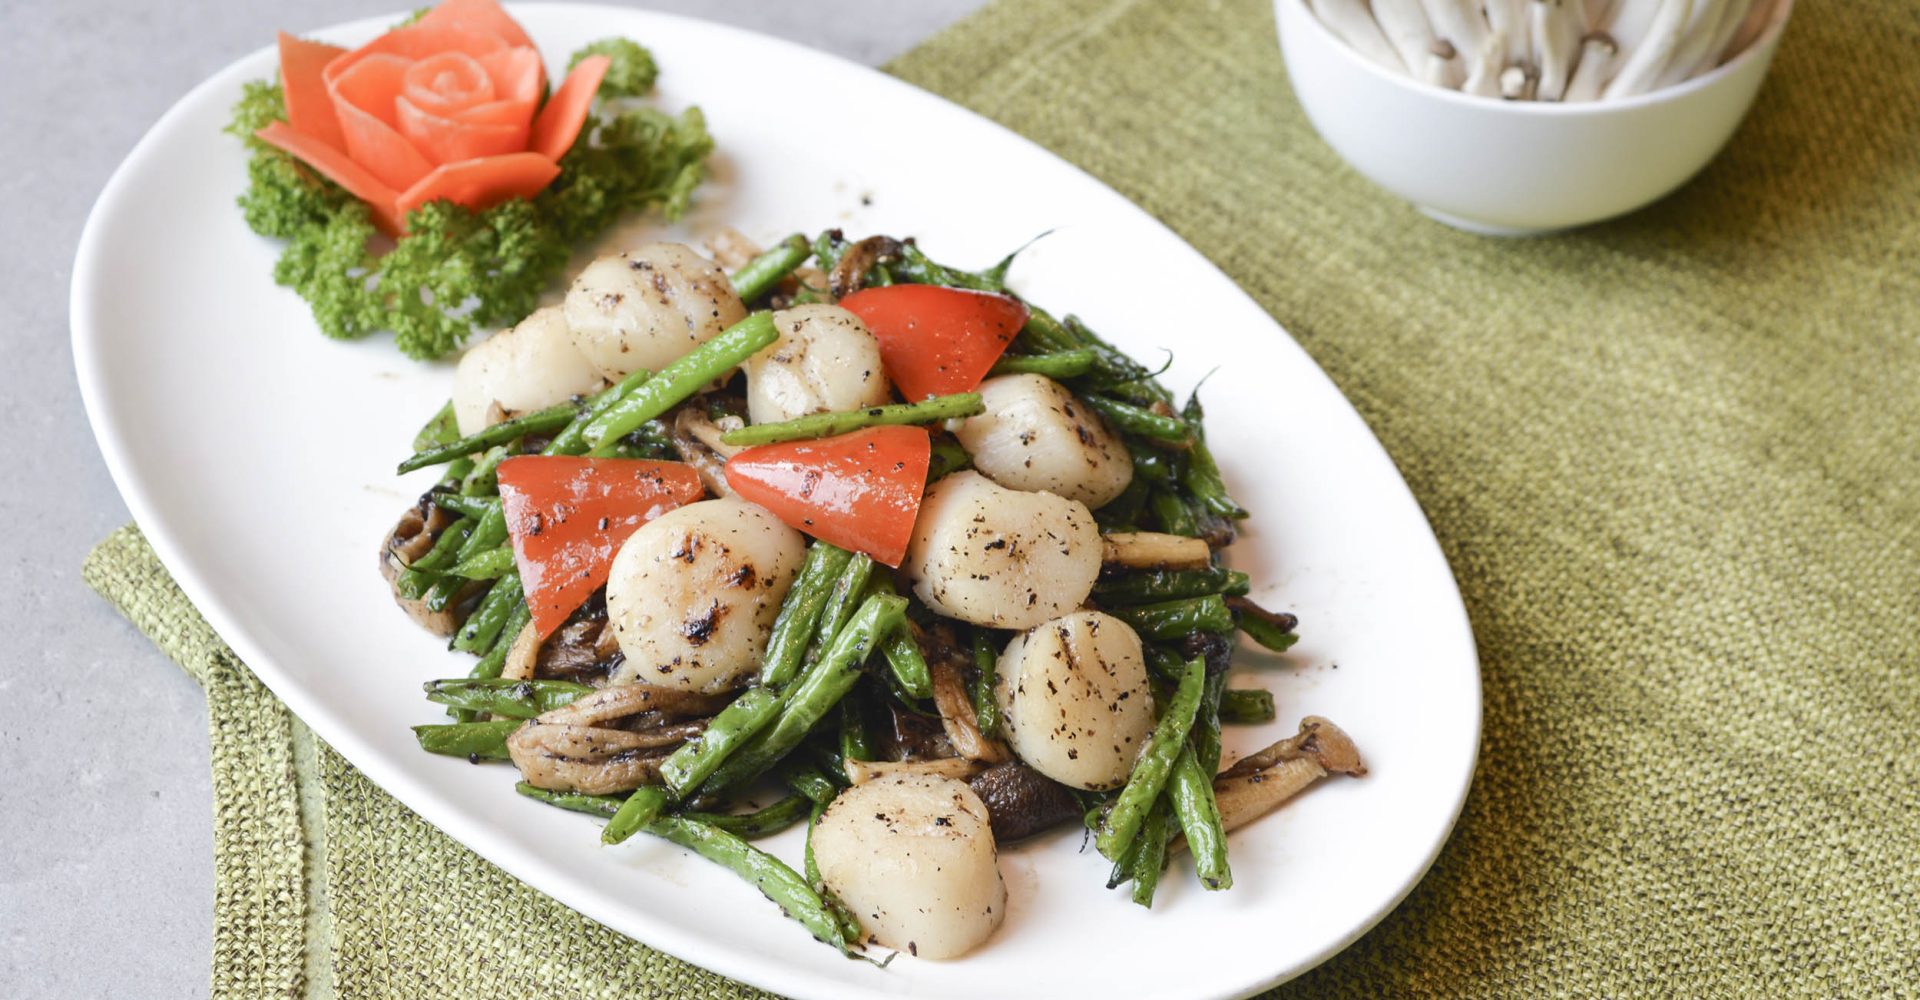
x: 258, y: 457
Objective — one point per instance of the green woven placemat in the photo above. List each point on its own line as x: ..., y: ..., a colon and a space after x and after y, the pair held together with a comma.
x: 1675, y: 461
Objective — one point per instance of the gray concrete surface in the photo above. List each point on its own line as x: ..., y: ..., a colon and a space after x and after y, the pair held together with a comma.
x: 106, y: 868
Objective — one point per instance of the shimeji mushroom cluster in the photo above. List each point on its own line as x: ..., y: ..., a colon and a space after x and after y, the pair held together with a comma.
x: 1548, y: 50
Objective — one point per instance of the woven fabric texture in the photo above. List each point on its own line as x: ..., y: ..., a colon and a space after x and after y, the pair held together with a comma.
x: 1674, y: 460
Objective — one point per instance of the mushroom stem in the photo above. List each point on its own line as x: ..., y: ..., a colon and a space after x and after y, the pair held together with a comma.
x: 1751, y: 27
x: 1644, y: 63
x: 1443, y: 67
x: 1350, y: 22
x: 1458, y: 22
x: 1260, y: 782
x: 1406, y: 29
x: 1556, y: 27
x: 1153, y: 550
x: 1517, y: 82
x: 1508, y: 19
x: 956, y: 714
x: 960, y: 768
x: 1597, y: 52
x: 1483, y: 70
x: 1696, y: 40
x: 1733, y: 15
x: 1630, y: 21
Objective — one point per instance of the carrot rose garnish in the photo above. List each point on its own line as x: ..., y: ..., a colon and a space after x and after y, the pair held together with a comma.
x: 445, y: 108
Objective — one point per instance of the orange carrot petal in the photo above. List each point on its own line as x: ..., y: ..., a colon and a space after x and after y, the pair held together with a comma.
x: 363, y: 99
x: 309, y: 109
x: 475, y: 17
x: 558, y: 124
x: 334, y: 165
x: 482, y: 183
x: 448, y: 140
x: 447, y: 83
x: 518, y: 74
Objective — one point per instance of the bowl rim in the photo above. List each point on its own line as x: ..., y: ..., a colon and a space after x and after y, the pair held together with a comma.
x: 1783, y: 9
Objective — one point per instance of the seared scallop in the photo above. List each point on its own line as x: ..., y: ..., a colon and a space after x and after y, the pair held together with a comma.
x: 527, y: 367
x: 825, y: 360
x: 989, y: 555
x: 1035, y: 435
x: 1074, y: 698
x: 648, y: 307
x: 692, y: 595
x: 912, y: 856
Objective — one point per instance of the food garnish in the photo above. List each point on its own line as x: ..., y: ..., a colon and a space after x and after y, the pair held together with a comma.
x: 425, y: 183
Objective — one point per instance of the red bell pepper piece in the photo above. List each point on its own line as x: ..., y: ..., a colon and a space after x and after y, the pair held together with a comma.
x: 860, y: 491
x: 935, y: 341
x: 568, y: 516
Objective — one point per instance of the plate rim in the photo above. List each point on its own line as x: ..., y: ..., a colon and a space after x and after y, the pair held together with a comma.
x: 86, y: 336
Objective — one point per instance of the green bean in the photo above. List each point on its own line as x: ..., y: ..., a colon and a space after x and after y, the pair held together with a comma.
x: 573, y: 439
x: 761, y: 822
x: 1247, y: 707
x: 484, y: 479
x: 1131, y: 419
x: 516, y: 699
x: 473, y: 740
x: 443, y: 591
x: 1149, y: 776
x: 1043, y: 334
x: 908, y: 663
x: 593, y: 805
x: 1117, y: 365
x: 413, y: 582
x: 1166, y: 585
x: 855, y: 742
x: 815, y: 694
x: 1175, y: 517
x: 443, y: 428
x: 1057, y: 365
x: 948, y: 457
x: 819, y: 425
x: 1202, y: 477
x: 454, y: 476
x: 1205, y: 737
x: 845, y: 596
x: 986, y: 707
x: 1190, y: 788
x: 545, y: 421
x: 763, y: 871
x: 642, y: 806
x: 810, y: 782
x: 1149, y: 855
x: 489, y: 565
x: 477, y: 633
x: 490, y: 665
x: 732, y: 728
x: 1122, y: 513
x: 800, y: 611
x: 678, y: 380
x: 1173, y: 619
x: 758, y: 276
x: 464, y: 504
x: 1166, y: 664
x: 1155, y: 465
x: 915, y: 267
x: 1266, y: 632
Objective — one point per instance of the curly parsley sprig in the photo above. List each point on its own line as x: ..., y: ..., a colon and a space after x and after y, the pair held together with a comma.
x: 458, y: 270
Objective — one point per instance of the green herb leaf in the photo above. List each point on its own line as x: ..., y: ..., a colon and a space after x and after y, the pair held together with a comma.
x: 633, y: 70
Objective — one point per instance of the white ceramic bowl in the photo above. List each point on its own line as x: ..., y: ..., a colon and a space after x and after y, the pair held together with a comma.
x: 1515, y: 167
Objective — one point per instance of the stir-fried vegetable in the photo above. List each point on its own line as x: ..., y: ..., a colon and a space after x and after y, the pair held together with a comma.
x: 1039, y: 638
